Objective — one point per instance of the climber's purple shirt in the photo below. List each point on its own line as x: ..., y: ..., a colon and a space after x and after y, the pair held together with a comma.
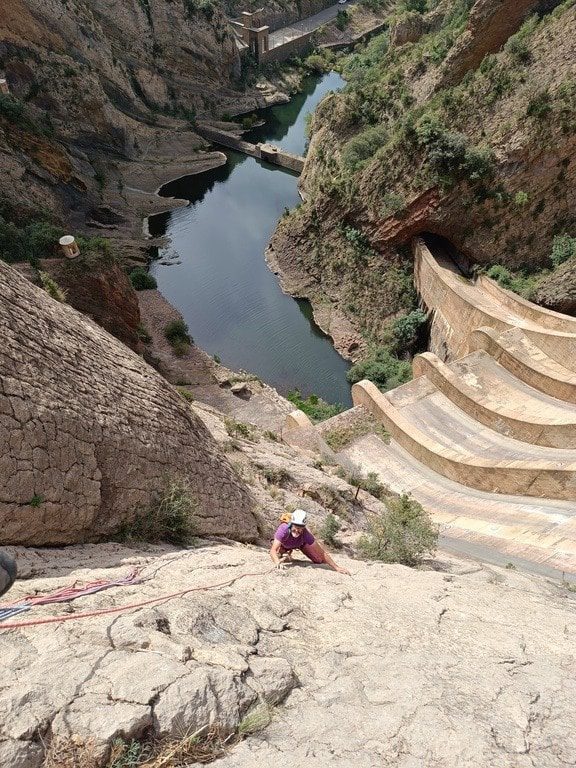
x: 293, y: 542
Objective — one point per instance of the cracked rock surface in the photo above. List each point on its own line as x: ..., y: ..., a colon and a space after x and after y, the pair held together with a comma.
x: 464, y: 666
x: 90, y: 434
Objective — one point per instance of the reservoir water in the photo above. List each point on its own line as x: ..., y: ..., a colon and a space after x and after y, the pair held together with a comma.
x: 214, y: 270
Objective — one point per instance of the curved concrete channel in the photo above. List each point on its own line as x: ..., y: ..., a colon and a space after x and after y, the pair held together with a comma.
x: 484, y: 436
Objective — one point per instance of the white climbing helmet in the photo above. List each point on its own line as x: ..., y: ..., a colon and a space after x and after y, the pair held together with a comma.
x: 298, y: 517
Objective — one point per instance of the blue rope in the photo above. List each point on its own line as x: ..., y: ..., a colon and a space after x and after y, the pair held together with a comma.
x: 14, y: 610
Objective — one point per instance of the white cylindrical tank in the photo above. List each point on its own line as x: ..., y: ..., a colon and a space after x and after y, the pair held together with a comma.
x: 69, y: 247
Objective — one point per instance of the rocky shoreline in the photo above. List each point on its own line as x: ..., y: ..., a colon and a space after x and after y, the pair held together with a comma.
x: 346, y: 339
x: 153, y: 306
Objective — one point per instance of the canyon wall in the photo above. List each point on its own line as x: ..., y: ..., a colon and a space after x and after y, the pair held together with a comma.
x: 90, y: 436
x: 467, y: 131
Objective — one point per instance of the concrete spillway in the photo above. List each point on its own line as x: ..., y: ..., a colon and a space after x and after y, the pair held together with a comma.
x: 485, y: 435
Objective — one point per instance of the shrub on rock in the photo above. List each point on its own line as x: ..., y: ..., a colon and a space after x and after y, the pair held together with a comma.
x: 142, y: 280
x: 403, y: 534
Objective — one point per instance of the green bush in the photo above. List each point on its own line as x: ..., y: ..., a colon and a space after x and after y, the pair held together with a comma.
x: 142, y: 280
x: 11, y: 108
x: 342, y: 20
x: 405, y: 330
x: 392, y: 203
x: 356, y: 238
x: 563, y: 248
x: 96, y: 253
x: 248, y: 121
x: 329, y: 529
x: 320, y: 61
x: 518, y: 49
x: 502, y: 275
x: 28, y: 243
x: 51, y: 287
x: 15, y: 111
x: 403, y: 534
x: 177, y: 334
x: 238, y: 428
x: 194, y: 7
x: 276, y: 475
x: 382, y: 368
x: 539, y: 105
x: 363, y: 146
x: 185, y: 394
x: 419, y: 6
x: 369, y: 483
x: 313, y: 406
x: 170, y: 517
x: 143, y: 334
x: 521, y: 282
x: 339, y: 437
x: 449, y: 153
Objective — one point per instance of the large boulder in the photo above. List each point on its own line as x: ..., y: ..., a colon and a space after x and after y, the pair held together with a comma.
x: 90, y: 435
x: 7, y: 572
x: 558, y: 291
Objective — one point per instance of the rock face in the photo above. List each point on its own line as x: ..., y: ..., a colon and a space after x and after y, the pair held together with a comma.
x: 408, y: 29
x: 391, y: 177
x: 89, y: 434
x: 558, y: 292
x: 490, y: 25
x: 105, y: 294
x: 7, y: 572
x: 465, y: 666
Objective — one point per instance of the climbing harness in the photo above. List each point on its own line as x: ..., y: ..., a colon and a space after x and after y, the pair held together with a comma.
x: 102, y: 612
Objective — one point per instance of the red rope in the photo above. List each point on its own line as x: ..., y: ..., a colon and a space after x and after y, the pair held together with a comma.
x: 131, y: 606
x: 66, y: 594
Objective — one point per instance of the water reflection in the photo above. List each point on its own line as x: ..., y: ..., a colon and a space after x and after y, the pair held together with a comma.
x: 222, y: 286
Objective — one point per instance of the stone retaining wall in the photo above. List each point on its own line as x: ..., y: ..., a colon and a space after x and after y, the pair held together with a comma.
x: 267, y: 152
x: 296, y: 47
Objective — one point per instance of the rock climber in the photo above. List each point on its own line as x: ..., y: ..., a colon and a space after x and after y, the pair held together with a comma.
x: 7, y: 572
x: 294, y: 535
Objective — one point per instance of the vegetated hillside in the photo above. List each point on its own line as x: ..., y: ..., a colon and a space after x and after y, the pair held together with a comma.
x: 468, y: 131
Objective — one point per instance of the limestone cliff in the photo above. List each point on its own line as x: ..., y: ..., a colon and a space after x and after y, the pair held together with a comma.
x: 90, y: 435
x: 102, y: 99
x: 468, y: 665
x: 468, y: 132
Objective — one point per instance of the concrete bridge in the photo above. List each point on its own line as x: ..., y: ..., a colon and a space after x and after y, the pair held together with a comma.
x: 484, y: 437
x: 267, y: 152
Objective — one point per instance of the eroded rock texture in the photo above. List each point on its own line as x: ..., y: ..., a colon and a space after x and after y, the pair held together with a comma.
x: 491, y: 23
x: 466, y: 667
x: 89, y: 433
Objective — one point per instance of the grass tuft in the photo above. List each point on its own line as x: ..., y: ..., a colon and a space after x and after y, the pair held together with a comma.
x: 256, y: 719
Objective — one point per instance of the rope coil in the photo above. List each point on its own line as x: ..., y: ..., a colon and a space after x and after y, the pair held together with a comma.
x: 19, y: 607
